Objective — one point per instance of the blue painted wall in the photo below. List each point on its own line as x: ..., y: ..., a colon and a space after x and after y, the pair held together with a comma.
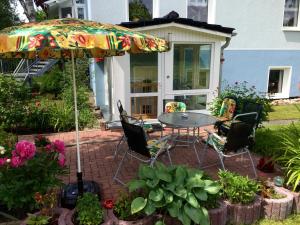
x: 253, y: 66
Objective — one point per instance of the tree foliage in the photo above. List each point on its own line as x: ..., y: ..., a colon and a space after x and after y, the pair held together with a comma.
x: 7, y: 14
x: 138, y: 11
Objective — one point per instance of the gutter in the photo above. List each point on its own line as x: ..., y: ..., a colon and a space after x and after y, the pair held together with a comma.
x: 228, y: 39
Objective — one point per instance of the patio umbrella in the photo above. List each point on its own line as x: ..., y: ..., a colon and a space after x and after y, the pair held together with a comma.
x: 73, y: 38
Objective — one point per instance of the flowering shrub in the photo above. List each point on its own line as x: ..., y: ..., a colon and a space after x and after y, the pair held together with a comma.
x: 242, y: 92
x: 25, y: 171
x: 41, y: 141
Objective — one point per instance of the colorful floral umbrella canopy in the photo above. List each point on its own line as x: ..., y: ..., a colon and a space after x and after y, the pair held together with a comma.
x: 73, y: 38
x: 56, y: 39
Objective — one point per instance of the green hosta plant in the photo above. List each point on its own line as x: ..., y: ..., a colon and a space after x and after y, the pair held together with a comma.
x: 238, y: 189
x: 37, y: 219
x: 178, y: 190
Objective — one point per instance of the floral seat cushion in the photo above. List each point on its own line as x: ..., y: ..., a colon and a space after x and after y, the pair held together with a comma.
x: 228, y: 108
x: 218, y: 141
x: 155, y: 145
x: 175, y: 107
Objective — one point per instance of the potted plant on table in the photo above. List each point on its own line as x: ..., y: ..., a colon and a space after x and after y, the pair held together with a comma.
x: 243, y: 203
x: 25, y: 172
x: 176, y: 193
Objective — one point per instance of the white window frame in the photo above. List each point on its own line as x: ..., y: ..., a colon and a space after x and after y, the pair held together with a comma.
x: 294, y: 28
x: 286, y: 83
x: 79, y: 5
x: 208, y: 8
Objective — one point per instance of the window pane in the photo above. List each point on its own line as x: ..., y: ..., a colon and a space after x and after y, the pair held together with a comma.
x: 65, y: 12
x: 275, y: 81
x: 193, y: 102
x: 197, y: 10
x: 140, y: 10
x: 143, y: 73
x: 79, y: 1
x: 191, y: 67
x: 80, y: 13
x: 291, y: 12
x: 144, y: 106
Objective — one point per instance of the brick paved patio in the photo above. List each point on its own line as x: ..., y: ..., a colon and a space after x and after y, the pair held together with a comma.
x: 98, y: 163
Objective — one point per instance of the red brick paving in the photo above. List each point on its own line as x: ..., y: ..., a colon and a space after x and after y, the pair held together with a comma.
x: 98, y: 163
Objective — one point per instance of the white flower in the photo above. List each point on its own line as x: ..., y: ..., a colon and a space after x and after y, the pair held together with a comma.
x: 2, y: 152
x: 2, y: 148
x: 8, y: 160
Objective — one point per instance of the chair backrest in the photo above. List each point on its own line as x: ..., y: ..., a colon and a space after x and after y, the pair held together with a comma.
x: 175, y: 107
x: 120, y: 106
x: 238, y: 136
x: 250, y: 106
x: 136, y: 138
x: 228, y: 108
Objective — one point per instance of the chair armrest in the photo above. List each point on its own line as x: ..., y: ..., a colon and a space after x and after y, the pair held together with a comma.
x: 245, y: 114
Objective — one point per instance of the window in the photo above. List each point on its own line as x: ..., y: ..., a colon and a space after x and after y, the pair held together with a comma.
x: 80, y: 2
x: 144, y: 106
x: 291, y: 13
x: 143, y: 73
x: 66, y: 12
x: 191, y: 66
x: 279, y: 82
x: 193, y: 102
x: 80, y: 13
x: 140, y: 10
x: 198, y: 10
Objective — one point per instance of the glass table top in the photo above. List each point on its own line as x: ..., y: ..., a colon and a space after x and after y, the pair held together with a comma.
x: 186, y: 119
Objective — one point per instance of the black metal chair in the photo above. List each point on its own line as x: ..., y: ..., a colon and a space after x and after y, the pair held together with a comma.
x: 235, y: 143
x: 140, y: 148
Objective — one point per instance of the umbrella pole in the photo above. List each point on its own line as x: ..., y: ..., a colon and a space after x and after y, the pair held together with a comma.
x: 79, y: 173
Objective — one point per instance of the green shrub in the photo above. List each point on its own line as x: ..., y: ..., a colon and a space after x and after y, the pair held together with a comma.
x: 243, y: 93
x: 7, y: 140
x: 14, y: 96
x: 290, y: 158
x: 238, y: 189
x: 178, y: 190
x: 89, y: 211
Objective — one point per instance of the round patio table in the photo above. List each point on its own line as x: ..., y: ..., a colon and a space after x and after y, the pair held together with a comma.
x: 188, y: 120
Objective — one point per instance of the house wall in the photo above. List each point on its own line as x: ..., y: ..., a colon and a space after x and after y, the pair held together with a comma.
x: 253, y: 67
x: 121, y: 67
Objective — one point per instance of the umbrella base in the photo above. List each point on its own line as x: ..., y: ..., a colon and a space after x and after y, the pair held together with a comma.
x: 70, y: 193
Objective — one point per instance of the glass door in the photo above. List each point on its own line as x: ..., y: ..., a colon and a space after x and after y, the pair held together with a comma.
x: 191, y: 74
x: 144, y: 86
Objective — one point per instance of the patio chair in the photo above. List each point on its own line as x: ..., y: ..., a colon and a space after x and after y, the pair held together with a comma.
x: 236, y: 143
x: 129, y: 119
x: 146, y: 151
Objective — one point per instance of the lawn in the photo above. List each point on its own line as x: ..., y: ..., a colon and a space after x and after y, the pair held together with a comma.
x: 285, y: 112
x: 292, y: 220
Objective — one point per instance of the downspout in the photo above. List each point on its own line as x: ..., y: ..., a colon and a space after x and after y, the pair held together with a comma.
x: 228, y: 39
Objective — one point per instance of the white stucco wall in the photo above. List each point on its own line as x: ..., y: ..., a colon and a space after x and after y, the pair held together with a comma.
x: 258, y: 24
x: 112, y: 11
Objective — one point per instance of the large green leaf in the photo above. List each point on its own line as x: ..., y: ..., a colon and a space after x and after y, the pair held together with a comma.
x: 191, y: 199
x: 170, y: 186
x: 193, y: 213
x: 138, y: 204
x: 204, y: 217
x: 200, y: 194
x: 156, y: 194
x: 152, y: 183
x: 184, y: 218
x: 150, y: 208
x: 146, y: 172
x: 180, y: 192
x: 168, y: 196
x: 212, y: 188
x: 173, y: 209
x: 159, y: 223
x: 180, y: 175
x: 136, y: 184
x: 163, y: 175
x: 195, y: 181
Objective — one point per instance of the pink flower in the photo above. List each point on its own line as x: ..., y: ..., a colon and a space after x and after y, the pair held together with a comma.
x: 61, y: 160
x: 25, y: 149
x: 16, y: 161
x: 2, y: 161
x: 59, y: 146
x: 49, y: 147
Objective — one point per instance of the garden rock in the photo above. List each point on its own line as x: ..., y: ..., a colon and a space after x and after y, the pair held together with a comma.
x: 278, y: 209
x: 243, y: 214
